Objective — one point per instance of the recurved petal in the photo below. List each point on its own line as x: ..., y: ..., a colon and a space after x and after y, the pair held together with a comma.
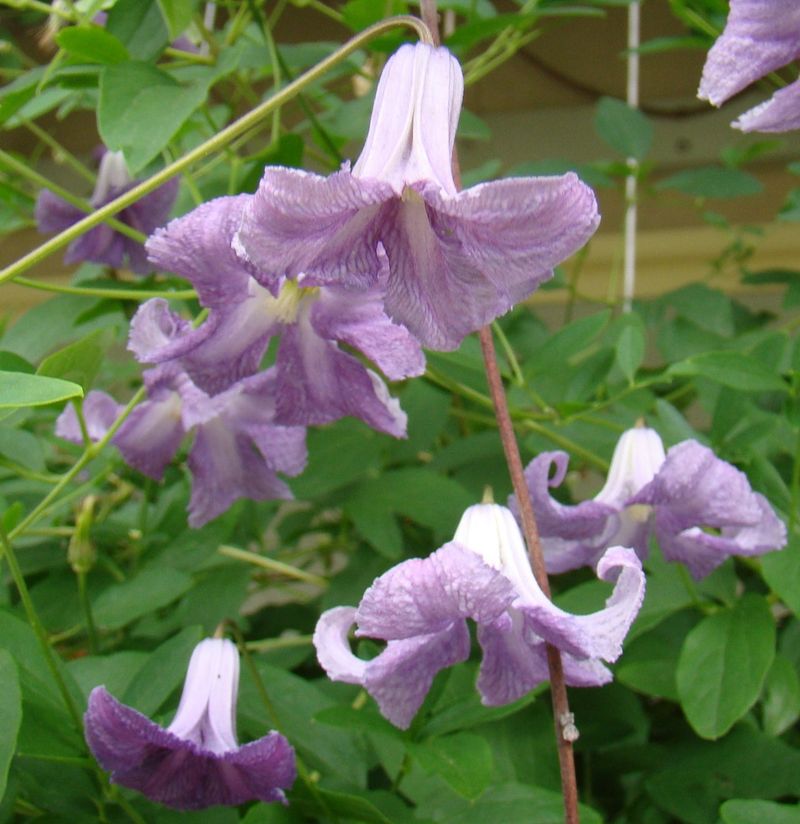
x: 157, y: 333
x: 197, y: 247
x: 333, y: 648
x: 400, y: 677
x: 425, y: 596
x: 780, y: 113
x: 145, y: 757
x: 759, y: 37
x: 357, y: 318
x: 326, y: 226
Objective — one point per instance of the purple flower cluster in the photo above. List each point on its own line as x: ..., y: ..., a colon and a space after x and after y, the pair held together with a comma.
x: 196, y: 761
x: 419, y: 608
x: 700, y: 508
x: 759, y: 37
x: 104, y: 244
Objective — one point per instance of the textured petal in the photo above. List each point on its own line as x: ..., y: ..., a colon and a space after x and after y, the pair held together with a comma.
x: 167, y: 769
x: 157, y: 333
x: 318, y: 383
x: 780, y: 113
x: 413, y: 125
x: 572, y: 536
x: 301, y: 222
x: 759, y: 37
x: 400, y: 677
x: 333, y: 648
x: 100, y: 410
x: 224, y: 468
x: 425, y: 596
x: 357, y: 318
x: 54, y: 214
x: 695, y: 491
x: 197, y: 247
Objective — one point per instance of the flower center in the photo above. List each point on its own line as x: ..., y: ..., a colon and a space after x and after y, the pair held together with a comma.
x: 286, y: 307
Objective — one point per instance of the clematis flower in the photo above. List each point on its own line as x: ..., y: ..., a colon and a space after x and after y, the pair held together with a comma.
x: 102, y: 244
x: 196, y: 761
x: 457, y: 260
x: 700, y: 508
x: 760, y: 36
x: 419, y: 608
x: 237, y: 450
x: 316, y: 381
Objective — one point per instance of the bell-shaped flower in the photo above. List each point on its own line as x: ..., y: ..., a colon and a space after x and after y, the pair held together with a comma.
x: 759, y: 37
x: 196, y: 761
x: 237, y: 450
x: 317, y: 381
x: 103, y: 244
x: 457, y: 260
x: 419, y: 608
x: 700, y: 508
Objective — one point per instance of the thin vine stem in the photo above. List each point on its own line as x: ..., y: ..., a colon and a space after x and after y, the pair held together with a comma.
x: 113, y: 294
x: 214, y: 144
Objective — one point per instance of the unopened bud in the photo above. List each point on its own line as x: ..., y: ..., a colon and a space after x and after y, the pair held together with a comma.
x: 81, y: 552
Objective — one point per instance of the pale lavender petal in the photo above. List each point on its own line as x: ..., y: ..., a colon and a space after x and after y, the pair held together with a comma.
x: 759, y: 37
x: 414, y: 118
x: 145, y: 757
x: 572, y: 536
x: 54, y: 214
x: 333, y: 648
x: 778, y: 114
x: 424, y: 596
x: 100, y: 410
x: 197, y: 247
x: 400, y: 677
x: 599, y: 634
x: 318, y: 383
x: 157, y: 333
x: 325, y: 226
x: 224, y: 468
x: 151, y: 212
x: 357, y: 318
x: 695, y: 491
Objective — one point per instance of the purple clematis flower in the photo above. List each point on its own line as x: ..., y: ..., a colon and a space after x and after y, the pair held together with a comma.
x: 759, y: 37
x: 317, y: 381
x: 196, y: 761
x: 700, y: 508
x: 238, y: 448
x: 104, y: 244
x: 419, y: 608
x: 457, y: 260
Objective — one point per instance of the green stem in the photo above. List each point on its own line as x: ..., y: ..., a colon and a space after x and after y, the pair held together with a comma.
x: 272, y: 644
x: 37, y: 5
x: 58, y: 150
x: 272, y: 565
x: 243, y: 124
x: 88, y: 455
x: 513, y: 363
x: 113, y: 294
x: 38, y: 628
x: 39, y: 180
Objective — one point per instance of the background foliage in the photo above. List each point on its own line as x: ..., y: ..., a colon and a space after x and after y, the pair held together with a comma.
x: 699, y: 724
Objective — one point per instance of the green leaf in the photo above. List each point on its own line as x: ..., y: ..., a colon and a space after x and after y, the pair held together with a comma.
x: 781, y: 696
x: 712, y: 181
x: 139, y: 25
x: 114, y: 671
x: 177, y: 15
x: 624, y: 129
x: 19, y: 390
x: 78, y: 362
x: 22, y: 448
x: 345, y: 805
x: 747, y: 811
x: 567, y: 344
x: 781, y: 570
x: 11, y: 362
x: 92, y: 44
x: 734, y: 369
x: 141, y: 108
x: 463, y: 760
x: 630, y: 348
x: 162, y: 673
x: 152, y: 588
x: 723, y: 664
x: 10, y: 714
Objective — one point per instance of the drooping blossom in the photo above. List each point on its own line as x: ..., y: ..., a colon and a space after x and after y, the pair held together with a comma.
x: 103, y: 244
x: 237, y: 449
x: 196, y: 761
x: 700, y: 508
x: 457, y: 260
x: 760, y: 36
x: 419, y: 608
x: 316, y: 380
